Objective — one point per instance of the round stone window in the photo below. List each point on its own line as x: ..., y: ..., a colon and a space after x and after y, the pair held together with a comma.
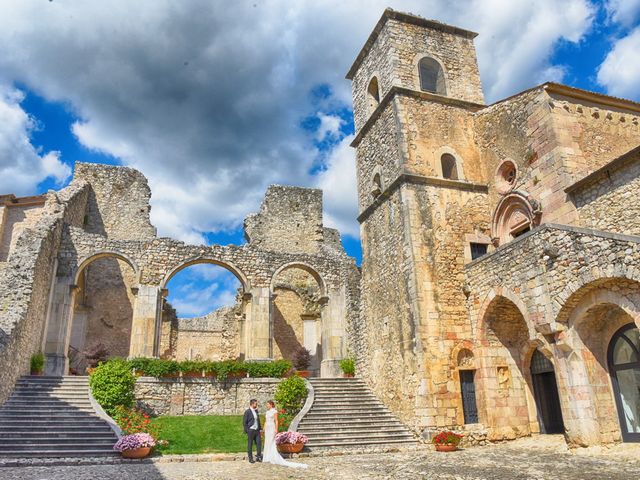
x: 506, y: 176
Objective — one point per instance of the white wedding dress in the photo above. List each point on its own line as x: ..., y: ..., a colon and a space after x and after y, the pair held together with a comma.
x: 271, y: 454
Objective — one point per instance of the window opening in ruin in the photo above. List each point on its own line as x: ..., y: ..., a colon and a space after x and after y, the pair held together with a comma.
x: 506, y: 176
x: 203, y: 314
x: 297, y: 320
x: 624, y: 367
x: 373, y: 95
x: 545, y: 390
x: 468, y: 390
x: 449, y: 167
x: 521, y: 231
x: 478, y: 250
x: 431, y: 76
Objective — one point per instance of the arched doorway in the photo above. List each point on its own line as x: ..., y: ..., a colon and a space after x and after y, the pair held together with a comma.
x: 624, y: 367
x: 545, y: 391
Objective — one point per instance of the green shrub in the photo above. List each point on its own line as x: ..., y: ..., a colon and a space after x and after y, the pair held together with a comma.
x: 161, y: 368
x: 348, y: 366
x: 211, y: 368
x: 141, y: 364
x: 37, y: 363
x: 291, y: 394
x: 112, y: 384
x: 191, y: 366
x: 275, y: 369
x: 228, y: 368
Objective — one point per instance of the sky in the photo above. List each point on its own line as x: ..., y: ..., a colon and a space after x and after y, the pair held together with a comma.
x: 215, y: 100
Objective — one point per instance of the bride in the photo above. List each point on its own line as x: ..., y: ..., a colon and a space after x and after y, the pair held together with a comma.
x: 271, y: 454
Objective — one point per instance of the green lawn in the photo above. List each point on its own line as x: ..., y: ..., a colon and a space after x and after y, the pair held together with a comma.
x: 202, y: 434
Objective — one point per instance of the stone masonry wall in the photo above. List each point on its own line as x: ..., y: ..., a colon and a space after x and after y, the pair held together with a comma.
x: 202, y: 396
x: 25, y: 285
x: 610, y: 202
x: 16, y: 219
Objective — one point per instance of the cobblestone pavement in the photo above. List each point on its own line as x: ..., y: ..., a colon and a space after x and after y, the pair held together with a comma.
x: 502, y: 462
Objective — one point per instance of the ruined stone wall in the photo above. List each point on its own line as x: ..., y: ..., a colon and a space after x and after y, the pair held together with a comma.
x: 194, y: 396
x: 290, y: 220
x: 16, y: 218
x: 25, y: 285
x: 118, y: 205
x: 215, y: 336
x: 610, y: 202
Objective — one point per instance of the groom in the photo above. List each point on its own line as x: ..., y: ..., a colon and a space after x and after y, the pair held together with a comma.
x: 251, y: 422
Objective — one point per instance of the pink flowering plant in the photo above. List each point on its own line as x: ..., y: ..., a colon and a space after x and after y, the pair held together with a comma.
x: 291, y: 437
x: 131, y: 442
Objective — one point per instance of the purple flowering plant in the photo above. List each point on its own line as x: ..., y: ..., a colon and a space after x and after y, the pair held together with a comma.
x: 291, y: 437
x: 136, y: 440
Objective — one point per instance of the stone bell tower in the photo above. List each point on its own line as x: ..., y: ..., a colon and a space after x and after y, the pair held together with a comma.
x: 422, y: 210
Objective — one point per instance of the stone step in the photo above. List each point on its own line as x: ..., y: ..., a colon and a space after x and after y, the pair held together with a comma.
x: 351, y: 436
x: 23, y: 401
x: 322, y: 402
x: 51, y: 424
x: 59, y: 453
x: 51, y: 417
x: 323, y: 416
x: 49, y: 392
x: 373, y: 423
x: 76, y: 445
x: 47, y: 412
x: 357, y: 443
x: 348, y: 409
x: 19, y: 442
x: 62, y: 430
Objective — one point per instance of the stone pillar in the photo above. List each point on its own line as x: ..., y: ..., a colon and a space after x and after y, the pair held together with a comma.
x: 333, y: 332
x: 58, y: 333
x: 311, y: 339
x: 576, y: 396
x: 258, y: 329
x: 146, y: 317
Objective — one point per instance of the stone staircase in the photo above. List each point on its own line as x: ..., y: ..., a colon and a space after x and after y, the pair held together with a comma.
x: 345, y: 413
x: 53, y: 417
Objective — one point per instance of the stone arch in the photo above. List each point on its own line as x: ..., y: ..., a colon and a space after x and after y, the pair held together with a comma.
x: 515, y: 214
x: 493, y: 294
x: 438, y: 165
x: 505, y: 335
x: 303, y: 266
x: 461, y: 351
x: 430, y: 74
x: 101, y: 312
x: 244, y: 280
x: 591, y: 315
x: 102, y: 254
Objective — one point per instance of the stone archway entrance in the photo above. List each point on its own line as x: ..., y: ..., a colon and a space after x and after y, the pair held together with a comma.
x: 545, y: 391
x: 624, y: 367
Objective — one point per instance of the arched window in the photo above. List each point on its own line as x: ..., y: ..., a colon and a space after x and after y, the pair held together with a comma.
x: 431, y: 76
x: 373, y: 95
x: 376, y: 186
x: 449, y: 167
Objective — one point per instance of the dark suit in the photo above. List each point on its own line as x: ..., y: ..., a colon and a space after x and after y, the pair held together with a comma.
x: 253, y: 435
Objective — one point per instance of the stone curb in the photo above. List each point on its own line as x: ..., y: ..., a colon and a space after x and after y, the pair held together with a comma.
x: 187, y: 458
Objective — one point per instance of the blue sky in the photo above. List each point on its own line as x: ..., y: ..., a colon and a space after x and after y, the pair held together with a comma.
x: 213, y: 101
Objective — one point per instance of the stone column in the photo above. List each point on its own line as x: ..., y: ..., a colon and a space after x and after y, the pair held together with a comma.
x: 58, y: 333
x: 146, y: 316
x: 333, y: 332
x: 311, y: 339
x: 258, y: 325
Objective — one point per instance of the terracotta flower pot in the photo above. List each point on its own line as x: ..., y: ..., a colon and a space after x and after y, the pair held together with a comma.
x: 290, y: 447
x: 303, y: 373
x: 192, y: 374
x: 446, y: 447
x: 137, y: 452
x: 348, y: 375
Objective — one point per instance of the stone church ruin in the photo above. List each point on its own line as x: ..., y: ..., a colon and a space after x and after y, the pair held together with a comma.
x: 499, y: 292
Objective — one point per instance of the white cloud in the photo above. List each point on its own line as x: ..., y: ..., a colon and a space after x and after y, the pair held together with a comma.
x: 624, y: 12
x: 620, y: 71
x: 22, y: 166
x: 206, y: 97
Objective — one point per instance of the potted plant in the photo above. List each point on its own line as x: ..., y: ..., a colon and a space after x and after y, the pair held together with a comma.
x: 301, y: 361
x: 191, y: 368
x: 138, y: 445
x: 348, y: 367
x: 37, y: 363
x: 446, y: 441
x: 290, y: 442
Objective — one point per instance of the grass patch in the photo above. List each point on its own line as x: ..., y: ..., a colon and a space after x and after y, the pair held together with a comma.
x: 202, y: 434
